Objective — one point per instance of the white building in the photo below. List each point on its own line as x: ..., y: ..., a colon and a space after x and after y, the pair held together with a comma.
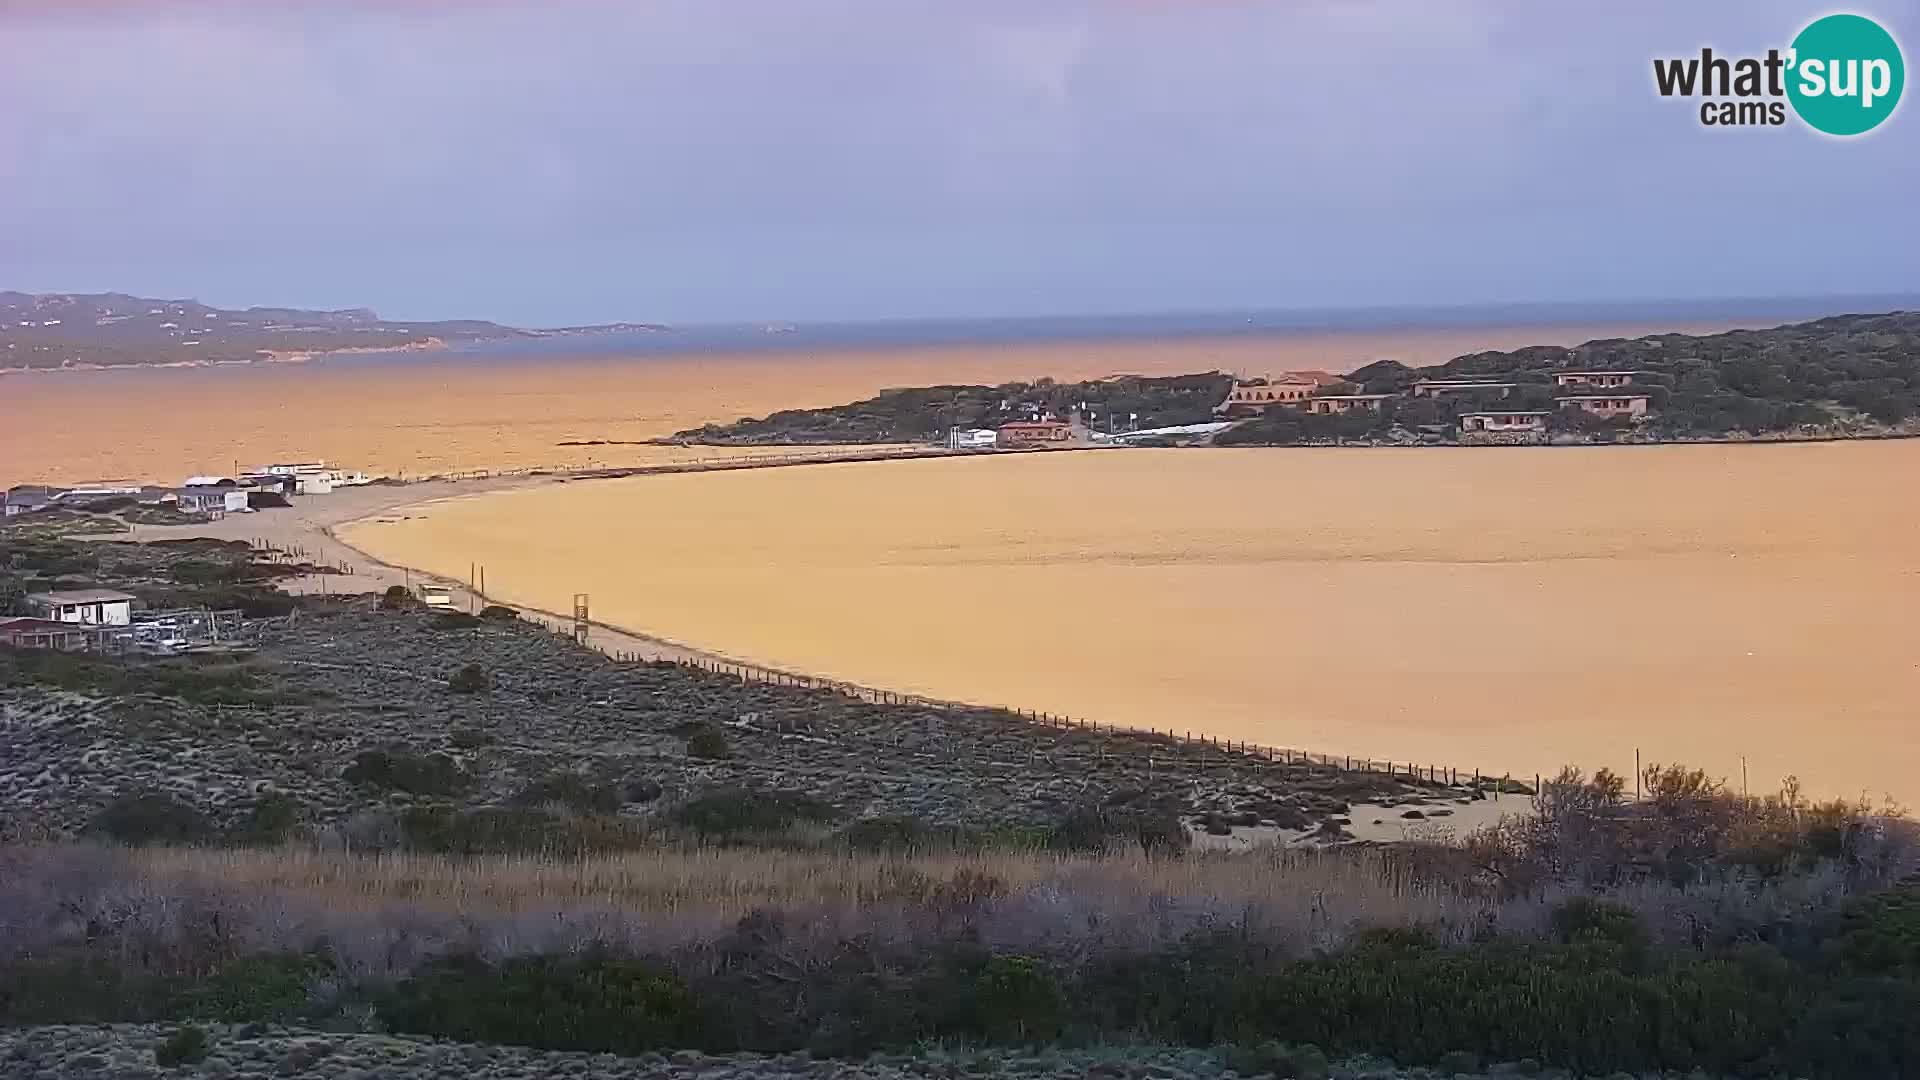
x: 215, y: 502
x: 972, y: 438
x: 88, y: 607
x: 103, y: 490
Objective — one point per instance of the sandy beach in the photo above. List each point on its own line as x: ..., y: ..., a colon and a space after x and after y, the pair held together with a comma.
x: 1726, y: 606
x: 307, y: 533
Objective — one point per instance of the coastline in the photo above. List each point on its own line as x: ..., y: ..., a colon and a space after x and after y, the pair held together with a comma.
x: 315, y: 537
x: 683, y: 612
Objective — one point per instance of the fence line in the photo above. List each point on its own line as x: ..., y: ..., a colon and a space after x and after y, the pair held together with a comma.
x: 1183, y: 741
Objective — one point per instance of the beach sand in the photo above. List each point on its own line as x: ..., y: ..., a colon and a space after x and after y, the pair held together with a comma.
x: 1501, y: 609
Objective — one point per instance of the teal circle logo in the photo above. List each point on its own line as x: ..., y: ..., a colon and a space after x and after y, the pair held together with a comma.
x: 1845, y: 74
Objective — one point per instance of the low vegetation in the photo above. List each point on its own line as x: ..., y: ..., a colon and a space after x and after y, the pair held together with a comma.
x: 213, y: 575
x: 405, y: 771
x: 1808, y: 966
x: 925, y: 413
x: 201, y: 680
x: 1840, y: 376
x: 1850, y: 374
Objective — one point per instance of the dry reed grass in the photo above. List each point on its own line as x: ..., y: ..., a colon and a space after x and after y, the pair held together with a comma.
x: 731, y: 882
x: 382, y: 916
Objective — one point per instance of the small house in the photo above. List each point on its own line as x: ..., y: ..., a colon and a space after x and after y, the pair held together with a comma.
x: 1599, y: 380
x: 1504, y: 420
x: 26, y: 498
x: 1033, y: 432
x: 215, y: 502
x: 1632, y: 406
x: 87, y: 607
x: 29, y: 633
x: 99, y: 495
x: 972, y: 438
x: 1334, y: 404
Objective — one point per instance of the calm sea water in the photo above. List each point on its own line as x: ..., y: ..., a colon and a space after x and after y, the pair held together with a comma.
x: 803, y: 337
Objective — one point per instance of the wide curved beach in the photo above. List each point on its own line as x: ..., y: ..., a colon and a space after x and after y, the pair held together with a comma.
x: 1748, y: 609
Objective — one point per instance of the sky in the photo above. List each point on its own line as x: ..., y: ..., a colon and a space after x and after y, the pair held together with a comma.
x: 567, y: 162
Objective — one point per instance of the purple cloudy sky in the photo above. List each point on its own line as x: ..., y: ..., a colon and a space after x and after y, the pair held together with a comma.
x: 713, y: 160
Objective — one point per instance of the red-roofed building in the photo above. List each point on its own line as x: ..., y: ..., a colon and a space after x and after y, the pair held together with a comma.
x: 1287, y: 388
x: 1034, y: 432
x: 24, y: 633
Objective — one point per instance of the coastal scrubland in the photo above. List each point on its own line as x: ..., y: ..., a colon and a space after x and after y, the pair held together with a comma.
x: 386, y: 725
x: 1694, y: 930
x: 379, y: 840
x: 301, y: 855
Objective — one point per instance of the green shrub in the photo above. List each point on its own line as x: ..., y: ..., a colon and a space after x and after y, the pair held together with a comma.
x: 642, y: 790
x: 454, y: 620
x: 152, y: 818
x: 1018, y: 1000
x: 594, y: 1001
x: 709, y: 743
x: 400, y: 770
x: 1582, y: 1006
x: 1160, y: 832
x: 739, y: 812
x: 186, y: 1046
x: 497, y: 613
x: 1082, y: 829
x: 571, y: 790
x: 1866, y: 1026
x: 898, y: 834
x: 1587, y: 919
x: 259, y: 987
x: 1094, y: 828
x: 271, y: 820
x: 397, y: 598
x: 82, y: 987
x: 471, y: 679
x: 1878, y: 934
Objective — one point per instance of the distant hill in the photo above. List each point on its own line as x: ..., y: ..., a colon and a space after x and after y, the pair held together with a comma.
x: 82, y: 330
x: 1848, y: 375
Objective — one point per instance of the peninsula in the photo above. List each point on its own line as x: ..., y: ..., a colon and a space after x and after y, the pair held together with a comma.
x: 67, y: 331
x: 1840, y: 377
